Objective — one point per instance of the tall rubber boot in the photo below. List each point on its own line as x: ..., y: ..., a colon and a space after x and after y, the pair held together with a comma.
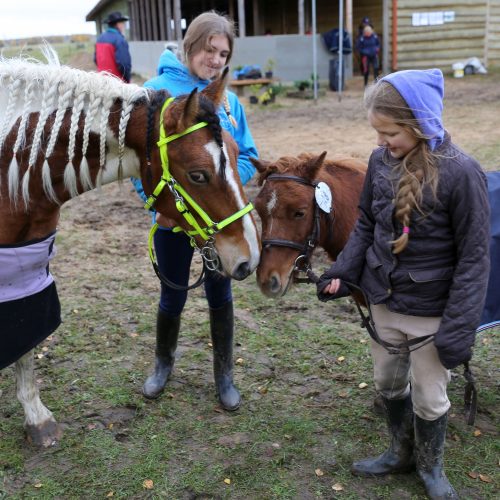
x: 398, y: 458
x: 221, y: 329
x: 429, y: 448
x: 167, y: 333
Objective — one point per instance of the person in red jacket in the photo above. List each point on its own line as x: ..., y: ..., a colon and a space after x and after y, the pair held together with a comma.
x: 111, y: 49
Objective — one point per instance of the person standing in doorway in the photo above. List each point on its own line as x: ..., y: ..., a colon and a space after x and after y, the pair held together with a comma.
x: 111, y: 49
x: 368, y: 47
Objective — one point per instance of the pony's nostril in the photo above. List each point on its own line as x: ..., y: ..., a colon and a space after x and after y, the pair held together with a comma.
x: 274, y: 284
x: 242, y: 271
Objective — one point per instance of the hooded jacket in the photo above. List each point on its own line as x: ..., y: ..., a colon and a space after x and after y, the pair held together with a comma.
x: 445, y: 267
x: 176, y: 78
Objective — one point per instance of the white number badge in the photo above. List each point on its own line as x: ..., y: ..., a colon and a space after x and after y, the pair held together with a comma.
x: 323, y: 197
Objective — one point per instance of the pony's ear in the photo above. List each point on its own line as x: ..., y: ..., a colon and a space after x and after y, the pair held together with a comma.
x: 191, y: 110
x: 215, y: 91
x: 312, y: 166
x: 260, y: 165
x: 265, y: 168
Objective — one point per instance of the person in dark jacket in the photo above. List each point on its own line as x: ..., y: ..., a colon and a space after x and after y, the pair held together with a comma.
x: 111, y: 49
x: 368, y: 46
x: 420, y: 252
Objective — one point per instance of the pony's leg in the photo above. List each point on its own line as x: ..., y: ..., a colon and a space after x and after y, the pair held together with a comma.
x: 39, y: 423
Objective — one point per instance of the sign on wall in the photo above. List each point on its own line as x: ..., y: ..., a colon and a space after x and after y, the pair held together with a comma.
x: 432, y: 18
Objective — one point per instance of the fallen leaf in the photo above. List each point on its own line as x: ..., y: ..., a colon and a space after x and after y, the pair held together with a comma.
x: 239, y: 361
x: 110, y: 494
x: 262, y: 390
x: 477, y: 433
x: 363, y: 341
x: 148, y: 484
x: 343, y: 394
x: 287, y: 436
x: 337, y: 487
x: 39, y: 355
x: 319, y: 472
x: 134, y: 334
x: 341, y: 358
x: 38, y: 485
x: 485, y: 479
x: 227, y: 480
x: 276, y: 445
x: 45, y: 348
x: 110, y: 426
x: 91, y: 427
x: 210, y: 344
x: 363, y: 385
x: 473, y: 474
x: 75, y: 311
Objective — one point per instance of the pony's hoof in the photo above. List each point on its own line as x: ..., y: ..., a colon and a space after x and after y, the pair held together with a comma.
x: 44, y: 435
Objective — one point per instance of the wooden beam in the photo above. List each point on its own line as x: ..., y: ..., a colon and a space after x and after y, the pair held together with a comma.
x: 241, y: 19
x: 168, y: 19
x: 177, y: 20
x: 302, y: 22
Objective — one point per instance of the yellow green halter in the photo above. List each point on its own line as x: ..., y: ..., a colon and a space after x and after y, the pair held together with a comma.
x: 183, y: 199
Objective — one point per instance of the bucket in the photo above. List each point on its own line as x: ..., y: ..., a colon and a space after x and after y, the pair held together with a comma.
x: 458, y: 70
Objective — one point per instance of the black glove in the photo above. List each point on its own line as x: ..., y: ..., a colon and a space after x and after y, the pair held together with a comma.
x: 451, y: 357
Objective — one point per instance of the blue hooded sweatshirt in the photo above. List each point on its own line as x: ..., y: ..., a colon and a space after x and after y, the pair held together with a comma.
x: 423, y: 91
x: 177, y: 80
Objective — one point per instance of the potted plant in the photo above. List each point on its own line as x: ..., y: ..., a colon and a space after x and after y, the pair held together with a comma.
x: 269, y: 68
x: 254, y: 93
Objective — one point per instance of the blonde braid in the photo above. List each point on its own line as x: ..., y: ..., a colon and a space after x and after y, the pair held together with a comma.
x: 127, y: 106
x: 94, y: 105
x: 107, y: 102
x: 70, y: 180
x: 49, y: 91
x: 15, y: 89
x: 227, y: 108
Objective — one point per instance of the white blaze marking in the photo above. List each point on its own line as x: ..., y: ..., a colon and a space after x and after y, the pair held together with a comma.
x: 249, y: 229
x: 271, y: 204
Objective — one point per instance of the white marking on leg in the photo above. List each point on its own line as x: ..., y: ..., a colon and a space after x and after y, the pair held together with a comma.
x: 27, y: 392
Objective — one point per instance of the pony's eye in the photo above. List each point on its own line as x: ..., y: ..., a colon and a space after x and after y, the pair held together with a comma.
x: 299, y: 214
x: 198, y: 177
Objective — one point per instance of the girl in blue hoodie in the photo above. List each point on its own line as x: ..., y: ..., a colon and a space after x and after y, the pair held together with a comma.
x: 207, y: 49
x: 420, y: 252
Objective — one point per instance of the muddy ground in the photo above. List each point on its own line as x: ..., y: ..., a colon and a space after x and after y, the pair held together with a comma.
x: 92, y: 368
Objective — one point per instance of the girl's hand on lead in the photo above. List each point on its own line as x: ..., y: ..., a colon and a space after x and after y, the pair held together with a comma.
x: 332, y: 287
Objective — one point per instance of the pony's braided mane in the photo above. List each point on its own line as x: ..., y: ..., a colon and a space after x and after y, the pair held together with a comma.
x: 50, y: 90
x: 208, y: 113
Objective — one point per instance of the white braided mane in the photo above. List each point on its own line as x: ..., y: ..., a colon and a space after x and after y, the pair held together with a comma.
x: 28, y: 86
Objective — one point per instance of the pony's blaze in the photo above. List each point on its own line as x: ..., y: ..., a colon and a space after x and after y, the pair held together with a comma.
x: 239, y: 256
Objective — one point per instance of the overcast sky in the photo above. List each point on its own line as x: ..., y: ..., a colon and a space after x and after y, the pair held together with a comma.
x: 26, y: 18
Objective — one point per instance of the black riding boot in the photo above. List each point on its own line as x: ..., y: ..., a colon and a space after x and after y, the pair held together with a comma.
x: 221, y: 329
x: 167, y: 332
x: 429, y: 448
x: 399, y: 457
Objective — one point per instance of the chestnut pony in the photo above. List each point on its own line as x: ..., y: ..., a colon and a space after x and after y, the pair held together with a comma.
x: 64, y: 132
x: 298, y: 213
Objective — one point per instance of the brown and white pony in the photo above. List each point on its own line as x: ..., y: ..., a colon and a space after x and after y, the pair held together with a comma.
x: 64, y: 132
x: 294, y: 219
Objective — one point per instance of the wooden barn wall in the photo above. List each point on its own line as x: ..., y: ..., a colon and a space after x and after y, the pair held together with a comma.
x: 493, y: 34
x: 440, y: 45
